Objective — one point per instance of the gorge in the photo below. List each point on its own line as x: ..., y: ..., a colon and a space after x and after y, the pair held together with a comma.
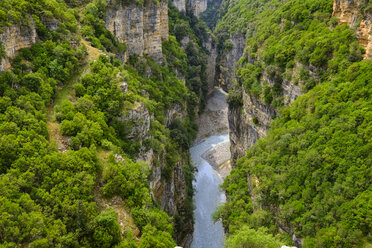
x: 131, y: 123
x: 211, y: 157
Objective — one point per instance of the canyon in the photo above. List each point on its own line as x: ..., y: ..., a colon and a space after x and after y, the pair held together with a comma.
x: 225, y: 132
x: 211, y: 158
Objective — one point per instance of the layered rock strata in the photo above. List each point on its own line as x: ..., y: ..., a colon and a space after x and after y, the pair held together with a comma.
x: 349, y: 12
x: 227, y: 68
x: 15, y: 37
x: 141, y: 27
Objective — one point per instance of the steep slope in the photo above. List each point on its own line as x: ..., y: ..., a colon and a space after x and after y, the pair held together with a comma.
x: 142, y: 28
x: 289, y: 48
x: 131, y: 98
x: 357, y: 14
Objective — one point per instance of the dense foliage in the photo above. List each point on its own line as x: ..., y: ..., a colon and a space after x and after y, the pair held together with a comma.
x: 20, y: 11
x: 192, y: 34
x: 311, y: 175
x: 94, y: 30
x: 290, y: 40
x: 68, y: 139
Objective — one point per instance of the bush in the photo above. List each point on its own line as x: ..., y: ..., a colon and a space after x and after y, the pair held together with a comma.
x: 247, y: 237
x: 234, y: 98
x: 106, y: 229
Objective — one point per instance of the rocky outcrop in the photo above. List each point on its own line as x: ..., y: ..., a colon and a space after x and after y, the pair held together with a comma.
x: 15, y: 37
x: 180, y: 5
x: 174, y: 112
x: 198, y: 6
x: 349, y: 12
x: 193, y: 6
x: 170, y: 191
x: 211, y: 62
x: 51, y: 23
x: 22, y: 35
x: 228, y: 61
x: 142, y: 28
x: 248, y: 124
x: 174, y: 202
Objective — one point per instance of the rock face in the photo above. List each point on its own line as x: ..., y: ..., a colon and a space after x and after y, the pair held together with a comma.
x: 142, y: 28
x: 194, y: 6
x: 180, y: 5
x: 16, y: 37
x: 198, y: 6
x: 228, y: 61
x: 139, y: 119
x: 348, y: 12
x: 170, y: 192
x: 251, y: 121
x: 243, y: 131
x: 211, y: 62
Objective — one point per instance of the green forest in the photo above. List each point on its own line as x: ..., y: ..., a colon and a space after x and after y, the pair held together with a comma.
x: 70, y: 173
x: 66, y: 149
x: 312, y: 175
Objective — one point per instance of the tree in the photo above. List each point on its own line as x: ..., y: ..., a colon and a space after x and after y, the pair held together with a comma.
x: 250, y: 238
x: 106, y: 229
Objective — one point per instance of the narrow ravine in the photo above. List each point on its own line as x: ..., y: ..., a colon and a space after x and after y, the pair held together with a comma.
x: 211, y: 157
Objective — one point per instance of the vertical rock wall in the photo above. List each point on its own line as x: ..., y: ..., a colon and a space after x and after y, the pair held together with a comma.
x: 171, y: 193
x: 15, y: 37
x: 228, y: 61
x: 197, y: 6
x: 211, y: 62
x: 349, y: 12
x: 142, y: 28
x: 180, y: 5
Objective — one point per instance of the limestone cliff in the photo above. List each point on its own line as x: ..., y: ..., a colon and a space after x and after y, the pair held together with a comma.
x: 228, y: 61
x: 350, y: 12
x: 170, y: 193
x: 15, y: 37
x: 180, y: 5
x: 210, y: 46
x: 243, y: 131
x: 198, y: 6
x: 141, y: 27
x: 252, y: 120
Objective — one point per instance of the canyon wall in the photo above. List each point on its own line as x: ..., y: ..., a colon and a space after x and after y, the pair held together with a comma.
x: 228, y: 60
x: 142, y: 28
x: 351, y: 12
x: 15, y: 37
x: 171, y: 192
x: 252, y: 119
x: 197, y: 7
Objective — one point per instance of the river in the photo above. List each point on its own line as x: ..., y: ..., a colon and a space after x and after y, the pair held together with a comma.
x: 209, y: 156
